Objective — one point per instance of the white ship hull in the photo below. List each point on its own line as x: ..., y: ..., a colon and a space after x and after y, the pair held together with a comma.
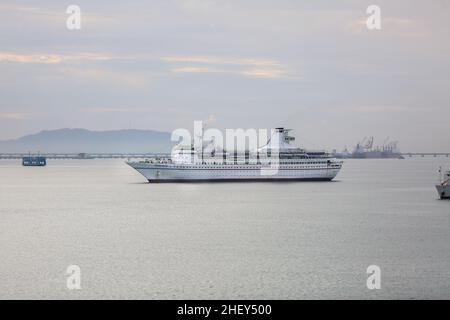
x: 177, y: 173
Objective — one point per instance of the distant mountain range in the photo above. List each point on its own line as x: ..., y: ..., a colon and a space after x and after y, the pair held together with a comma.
x: 82, y: 140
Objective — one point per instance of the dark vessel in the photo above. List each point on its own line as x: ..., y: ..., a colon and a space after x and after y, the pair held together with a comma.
x: 34, y: 161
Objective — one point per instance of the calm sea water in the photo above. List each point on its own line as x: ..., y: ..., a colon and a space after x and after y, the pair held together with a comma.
x: 293, y: 240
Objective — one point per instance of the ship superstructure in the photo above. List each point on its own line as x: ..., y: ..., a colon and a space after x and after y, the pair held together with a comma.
x: 279, y: 159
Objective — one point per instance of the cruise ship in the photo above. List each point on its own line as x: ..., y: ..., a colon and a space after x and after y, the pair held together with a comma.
x: 278, y: 160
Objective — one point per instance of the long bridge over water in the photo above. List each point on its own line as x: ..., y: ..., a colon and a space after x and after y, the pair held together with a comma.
x: 159, y: 155
x: 85, y: 155
x: 426, y: 154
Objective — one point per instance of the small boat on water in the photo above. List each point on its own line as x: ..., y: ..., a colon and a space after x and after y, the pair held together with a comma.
x: 443, y: 188
x: 34, y: 161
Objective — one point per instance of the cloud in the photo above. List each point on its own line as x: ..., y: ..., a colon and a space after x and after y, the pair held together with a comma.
x: 30, y: 58
x: 82, y: 66
x: 52, y: 58
x: 12, y: 7
x: 49, y: 15
x: 196, y: 70
x: 222, y: 60
x: 197, y: 4
x: 12, y: 115
x: 394, y: 26
x: 106, y: 76
x: 380, y: 109
x: 115, y: 110
x: 249, y: 67
x: 263, y: 73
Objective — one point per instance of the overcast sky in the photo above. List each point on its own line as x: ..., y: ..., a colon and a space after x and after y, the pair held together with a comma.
x: 309, y: 65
